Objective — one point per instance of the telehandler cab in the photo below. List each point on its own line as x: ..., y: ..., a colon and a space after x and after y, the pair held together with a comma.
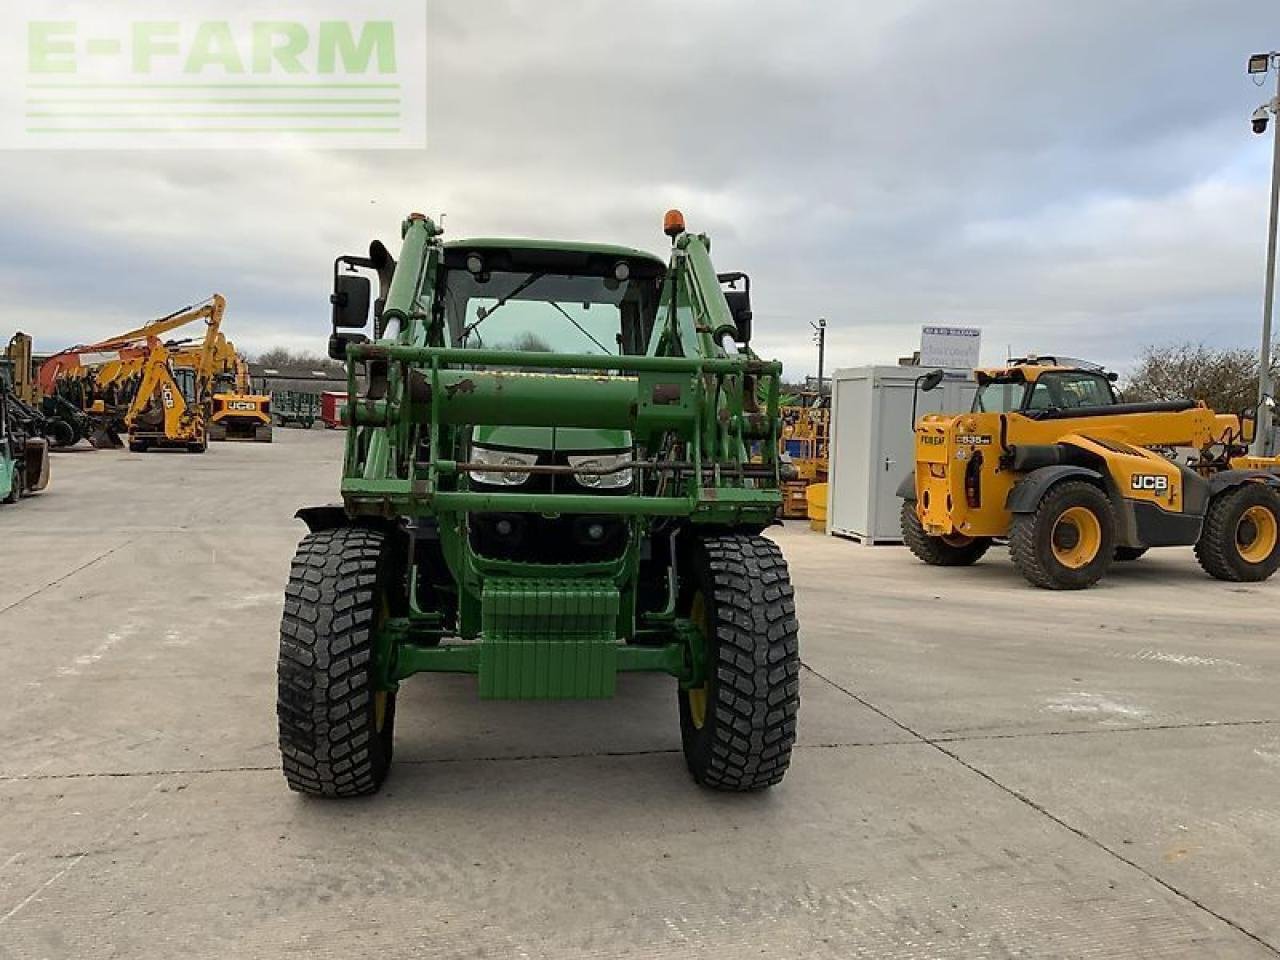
x: 547, y: 483
x: 1052, y: 460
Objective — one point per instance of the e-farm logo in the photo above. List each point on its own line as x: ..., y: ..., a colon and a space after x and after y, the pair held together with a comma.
x: 213, y: 73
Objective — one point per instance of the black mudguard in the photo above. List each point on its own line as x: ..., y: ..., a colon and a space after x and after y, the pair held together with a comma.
x: 1030, y: 490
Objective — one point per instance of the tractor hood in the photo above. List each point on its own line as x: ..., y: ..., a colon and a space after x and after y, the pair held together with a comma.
x: 551, y: 439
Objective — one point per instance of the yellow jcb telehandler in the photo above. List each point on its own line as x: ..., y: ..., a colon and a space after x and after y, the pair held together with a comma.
x: 1051, y: 460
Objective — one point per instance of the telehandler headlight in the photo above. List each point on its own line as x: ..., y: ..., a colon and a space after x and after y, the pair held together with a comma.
x: 602, y: 461
x: 501, y: 458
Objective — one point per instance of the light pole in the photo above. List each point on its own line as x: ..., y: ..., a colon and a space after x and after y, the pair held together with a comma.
x: 1259, y: 65
x: 820, y: 339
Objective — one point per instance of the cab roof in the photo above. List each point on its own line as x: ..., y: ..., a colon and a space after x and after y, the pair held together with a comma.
x: 1031, y: 368
x: 560, y: 246
x: 1020, y: 371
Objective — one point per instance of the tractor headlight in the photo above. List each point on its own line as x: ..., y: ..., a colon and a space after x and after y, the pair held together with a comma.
x: 501, y: 458
x: 603, y: 461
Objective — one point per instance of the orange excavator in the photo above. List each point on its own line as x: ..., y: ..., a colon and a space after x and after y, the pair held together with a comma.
x: 159, y: 392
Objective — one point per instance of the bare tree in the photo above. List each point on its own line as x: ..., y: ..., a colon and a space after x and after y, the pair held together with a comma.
x: 1226, y: 379
x: 284, y: 357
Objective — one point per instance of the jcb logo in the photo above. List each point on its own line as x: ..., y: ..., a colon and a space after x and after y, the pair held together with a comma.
x: 166, y: 395
x: 242, y: 405
x: 1150, y: 483
x: 932, y: 441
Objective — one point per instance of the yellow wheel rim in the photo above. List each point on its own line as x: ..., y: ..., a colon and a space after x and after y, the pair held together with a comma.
x: 1077, y: 537
x: 1256, y: 534
x: 697, y: 696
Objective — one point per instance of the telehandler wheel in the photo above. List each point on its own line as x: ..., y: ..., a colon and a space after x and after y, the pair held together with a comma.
x: 1240, y: 540
x: 739, y: 726
x: 1129, y: 554
x: 939, y: 551
x: 335, y: 723
x: 1068, y: 543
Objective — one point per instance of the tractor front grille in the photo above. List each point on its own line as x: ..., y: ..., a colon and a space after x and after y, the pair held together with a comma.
x: 532, y: 538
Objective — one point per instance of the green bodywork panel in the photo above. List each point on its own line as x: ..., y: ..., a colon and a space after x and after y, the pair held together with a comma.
x: 548, y: 638
x: 573, y: 439
x: 690, y: 414
x: 8, y: 466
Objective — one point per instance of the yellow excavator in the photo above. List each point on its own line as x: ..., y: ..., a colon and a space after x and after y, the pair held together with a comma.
x: 171, y: 406
x: 237, y: 412
x: 124, y: 379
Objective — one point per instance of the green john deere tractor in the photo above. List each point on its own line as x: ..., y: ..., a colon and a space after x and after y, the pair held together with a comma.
x: 548, y: 481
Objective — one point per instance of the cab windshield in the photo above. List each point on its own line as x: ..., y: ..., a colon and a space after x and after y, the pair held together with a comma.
x: 1054, y: 390
x: 549, y: 312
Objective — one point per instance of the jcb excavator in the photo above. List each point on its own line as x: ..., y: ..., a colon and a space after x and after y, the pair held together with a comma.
x: 1053, y: 461
x: 172, y: 403
x: 237, y: 412
x: 156, y: 391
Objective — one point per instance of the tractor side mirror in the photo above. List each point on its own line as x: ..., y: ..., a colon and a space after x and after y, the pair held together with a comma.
x: 351, y: 294
x: 932, y: 380
x: 338, y: 343
x: 740, y: 307
x: 739, y: 302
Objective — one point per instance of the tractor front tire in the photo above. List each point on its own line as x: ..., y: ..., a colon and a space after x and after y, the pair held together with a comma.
x: 739, y: 726
x: 336, y: 724
x: 939, y: 551
x: 1240, y: 539
x: 1068, y: 543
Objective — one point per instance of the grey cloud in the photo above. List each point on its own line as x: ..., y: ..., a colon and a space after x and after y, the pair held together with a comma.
x: 1063, y: 174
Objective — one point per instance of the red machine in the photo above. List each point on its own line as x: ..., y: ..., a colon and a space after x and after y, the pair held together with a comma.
x: 331, y: 404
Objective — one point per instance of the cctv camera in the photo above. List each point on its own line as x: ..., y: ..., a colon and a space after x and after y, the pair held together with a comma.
x: 1260, y: 120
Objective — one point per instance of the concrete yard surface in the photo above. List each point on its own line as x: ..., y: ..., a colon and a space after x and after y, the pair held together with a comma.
x: 984, y: 770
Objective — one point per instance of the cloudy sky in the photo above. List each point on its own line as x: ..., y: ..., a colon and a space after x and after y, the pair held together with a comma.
x: 1073, y: 177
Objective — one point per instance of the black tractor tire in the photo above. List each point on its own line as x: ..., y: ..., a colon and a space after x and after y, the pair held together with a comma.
x: 1239, y: 541
x: 939, y: 551
x: 15, y: 488
x: 262, y: 434
x: 336, y: 726
x: 738, y: 729
x: 1039, y: 542
x: 1129, y: 554
x: 62, y: 434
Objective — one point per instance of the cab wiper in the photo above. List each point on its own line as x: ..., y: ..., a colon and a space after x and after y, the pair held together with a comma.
x: 583, y: 330
x: 484, y: 314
